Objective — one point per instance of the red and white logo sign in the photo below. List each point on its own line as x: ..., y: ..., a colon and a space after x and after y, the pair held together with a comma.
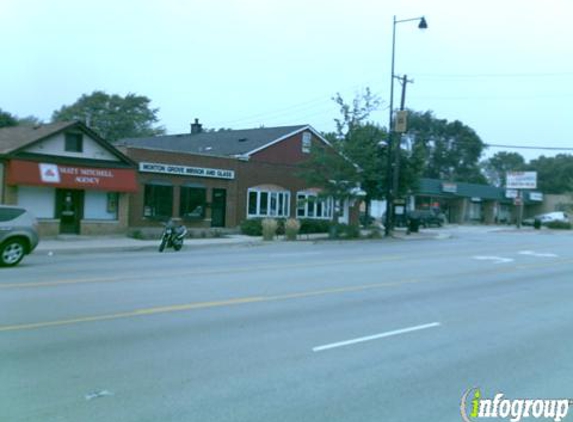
x: 49, y: 173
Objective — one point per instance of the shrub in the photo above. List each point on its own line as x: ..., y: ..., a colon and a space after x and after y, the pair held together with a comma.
x: 562, y: 225
x: 309, y: 225
x: 291, y: 228
x: 252, y: 227
x: 344, y: 231
x: 270, y: 226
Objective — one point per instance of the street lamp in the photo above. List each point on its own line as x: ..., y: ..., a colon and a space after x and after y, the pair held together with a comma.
x: 389, y: 176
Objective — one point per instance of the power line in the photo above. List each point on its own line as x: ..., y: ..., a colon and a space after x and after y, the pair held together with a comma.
x: 529, y: 147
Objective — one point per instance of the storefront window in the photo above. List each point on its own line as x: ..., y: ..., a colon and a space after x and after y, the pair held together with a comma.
x: 264, y: 203
x: 310, y: 205
x: 158, y: 201
x: 192, y: 202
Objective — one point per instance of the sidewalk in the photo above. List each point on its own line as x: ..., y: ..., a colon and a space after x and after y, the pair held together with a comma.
x: 81, y: 244
x: 73, y: 244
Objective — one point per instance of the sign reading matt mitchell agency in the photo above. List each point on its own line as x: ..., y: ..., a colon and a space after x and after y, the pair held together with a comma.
x: 177, y: 170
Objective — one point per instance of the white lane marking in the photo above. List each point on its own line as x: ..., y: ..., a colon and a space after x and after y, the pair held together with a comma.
x: 375, y: 337
x: 496, y: 259
x: 542, y: 255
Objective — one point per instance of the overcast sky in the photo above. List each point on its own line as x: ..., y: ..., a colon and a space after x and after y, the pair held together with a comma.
x: 504, y: 67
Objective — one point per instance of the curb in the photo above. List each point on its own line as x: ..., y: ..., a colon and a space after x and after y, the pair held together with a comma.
x: 47, y: 250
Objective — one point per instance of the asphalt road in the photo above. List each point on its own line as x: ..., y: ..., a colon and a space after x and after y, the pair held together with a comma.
x: 328, y: 331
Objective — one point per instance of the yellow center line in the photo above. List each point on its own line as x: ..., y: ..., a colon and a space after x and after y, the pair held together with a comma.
x: 197, y: 305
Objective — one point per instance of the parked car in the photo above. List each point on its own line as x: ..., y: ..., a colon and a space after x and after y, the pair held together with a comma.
x: 429, y: 217
x: 556, y: 216
x: 18, y: 234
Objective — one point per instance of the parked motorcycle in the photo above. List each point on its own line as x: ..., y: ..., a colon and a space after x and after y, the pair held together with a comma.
x: 172, y: 236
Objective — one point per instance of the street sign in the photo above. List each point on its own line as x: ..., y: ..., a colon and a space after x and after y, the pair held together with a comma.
x: 521, y: 180
x: 401, y: 122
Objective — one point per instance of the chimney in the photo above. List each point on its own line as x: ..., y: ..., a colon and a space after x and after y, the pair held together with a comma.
x: 196, y: 127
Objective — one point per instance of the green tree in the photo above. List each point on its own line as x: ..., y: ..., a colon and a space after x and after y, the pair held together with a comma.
x: 496, y: 167
x: 554, y: 174
x: 452, y: 149
x: 355, y: 157
x: 7, y: 120
x: 113, y: 116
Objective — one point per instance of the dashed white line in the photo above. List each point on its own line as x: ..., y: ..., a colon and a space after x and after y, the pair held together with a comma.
x: 375, y: 337
x: 495, y: 259
x: 538, y: 254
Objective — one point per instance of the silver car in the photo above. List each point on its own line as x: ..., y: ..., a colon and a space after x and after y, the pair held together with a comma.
x: 18, y: 234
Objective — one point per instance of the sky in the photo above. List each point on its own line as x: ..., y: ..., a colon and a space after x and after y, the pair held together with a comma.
x: 504, y: 68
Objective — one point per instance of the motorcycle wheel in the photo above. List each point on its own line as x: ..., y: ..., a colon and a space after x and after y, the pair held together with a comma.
x: 162, y: 245
x: 177, y: 246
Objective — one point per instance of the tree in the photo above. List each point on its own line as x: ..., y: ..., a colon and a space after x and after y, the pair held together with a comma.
x: 361, y: 142
x: 452, y: 149
x: 7, y: 120
x: 554, y: 174
x: 496, y: 167
x: 113, y: 117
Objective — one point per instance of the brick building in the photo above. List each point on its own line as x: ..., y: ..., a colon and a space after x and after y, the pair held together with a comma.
x: 219, y: 179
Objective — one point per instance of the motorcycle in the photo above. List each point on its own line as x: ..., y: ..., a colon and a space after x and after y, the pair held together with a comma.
x: 172, y: 237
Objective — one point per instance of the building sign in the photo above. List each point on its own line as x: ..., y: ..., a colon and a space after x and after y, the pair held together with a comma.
x: 73, y: 177
x: 521, y: 180
x: 449, y: 187
x: 511, y: 193
x: 536, y: 196
x: 177, y: 170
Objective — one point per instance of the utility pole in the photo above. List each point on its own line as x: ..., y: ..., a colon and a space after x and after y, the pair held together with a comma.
x: 404, y: 81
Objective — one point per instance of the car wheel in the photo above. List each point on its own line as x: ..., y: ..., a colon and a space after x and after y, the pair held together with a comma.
x: 12, y: 252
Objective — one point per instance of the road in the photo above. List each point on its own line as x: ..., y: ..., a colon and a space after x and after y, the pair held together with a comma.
x: 381, y: 330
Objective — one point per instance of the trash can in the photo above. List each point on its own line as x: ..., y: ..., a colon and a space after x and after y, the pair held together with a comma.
x: 537, y: 223
x: 413, y: 225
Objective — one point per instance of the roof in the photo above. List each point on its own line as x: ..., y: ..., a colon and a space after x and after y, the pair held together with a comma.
x: 225, y: 143
x: 14, y: 138
x: 17, y: 138
x: 467, y: 190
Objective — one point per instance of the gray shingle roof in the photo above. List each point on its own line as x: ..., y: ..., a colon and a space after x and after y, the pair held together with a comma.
x: 13, y: 138
x: 226, y: 143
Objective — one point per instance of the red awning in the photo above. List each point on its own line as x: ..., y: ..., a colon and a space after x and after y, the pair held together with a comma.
x: 72, y: 177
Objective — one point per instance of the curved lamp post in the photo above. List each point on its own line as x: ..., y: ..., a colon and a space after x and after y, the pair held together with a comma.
x: 388, y: 224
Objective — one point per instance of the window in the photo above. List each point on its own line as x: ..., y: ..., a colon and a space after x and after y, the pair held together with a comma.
x: 306, y: 140
x: 310, y: 205
x: 74, y: 142
x: 8, y: 214
x: 158, y: 201
x: 193, y: 202
x: 268, y: 203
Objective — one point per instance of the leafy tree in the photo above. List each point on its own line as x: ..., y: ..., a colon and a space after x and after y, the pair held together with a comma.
x: 357, y: 155
x: 7, y: 120
x: 452, y: 149
x: 112, y: 116
x: 362, y: 143
x: 554, y: 174
x: 496, y: 167
x: 29, y: 121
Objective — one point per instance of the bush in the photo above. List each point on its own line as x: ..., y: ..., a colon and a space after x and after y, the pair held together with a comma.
x: 309, y: 225
x: 344, y: 231
x: 291, y: 228
x: 562, y: 225
x: 252, y: 227
x: 270, y: 226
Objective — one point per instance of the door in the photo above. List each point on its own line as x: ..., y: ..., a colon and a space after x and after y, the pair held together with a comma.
x: 69, y: 209
x: 219, y: 208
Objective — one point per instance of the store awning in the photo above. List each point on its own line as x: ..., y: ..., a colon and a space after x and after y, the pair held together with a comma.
x: 72, y: 177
